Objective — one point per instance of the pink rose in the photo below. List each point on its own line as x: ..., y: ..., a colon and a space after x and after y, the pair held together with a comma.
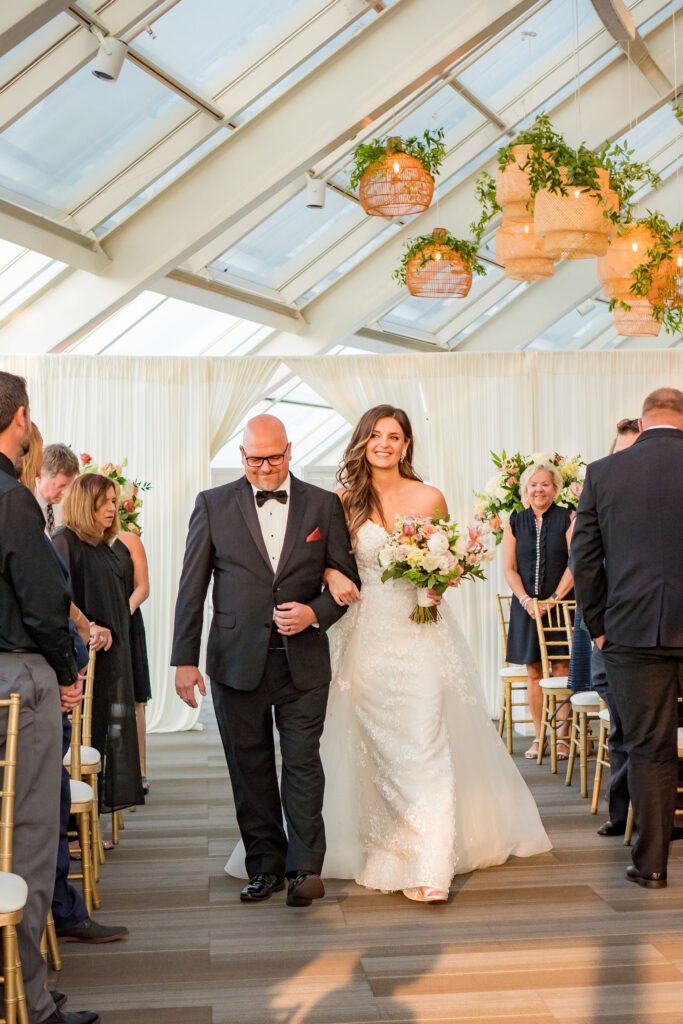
x: 428, y: 529
x: 85, y: 458
x: 495, y: 524
x: 129, y: 505
x: 135, y: 489
x: 511, y: 481
x: 107, y: 469
x: 479, y: 514
x: 576, y: 488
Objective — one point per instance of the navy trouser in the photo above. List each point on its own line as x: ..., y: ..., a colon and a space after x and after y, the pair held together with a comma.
x: 67, y: 906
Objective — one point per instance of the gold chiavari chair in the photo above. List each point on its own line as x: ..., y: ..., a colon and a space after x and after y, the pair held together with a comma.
x: 602, y: 758
x: 585, y: 710
x: 91, y: 766
x: 555, y: 640
x: 13, y: 889
x: 49, y: 946
x: 513, y: 677
x: 82, y: 797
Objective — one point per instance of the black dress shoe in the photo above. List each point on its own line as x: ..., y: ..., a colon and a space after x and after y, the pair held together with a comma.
x: 82, y: 1017
x: 261, y: 887
x: 654, y: 881
x: 612, y: 828
x: 303, y: 889
x: 92, y: 932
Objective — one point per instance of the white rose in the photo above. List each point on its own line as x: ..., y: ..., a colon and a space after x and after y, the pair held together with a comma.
x: 438, y: 543
x: 492, y: 484
x: 504, y: 516
x: 127, y: 490
x: 431, y: 562
x: 386, y: 557
x: 501, y: 494
x: 541, y: 457
x: 461, y: 545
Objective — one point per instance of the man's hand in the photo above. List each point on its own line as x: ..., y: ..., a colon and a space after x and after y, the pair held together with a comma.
x: 600, y: 641
x: 70, y: 696
x: 100, y: 637
x: 292, y: 617
x: 186, y: 678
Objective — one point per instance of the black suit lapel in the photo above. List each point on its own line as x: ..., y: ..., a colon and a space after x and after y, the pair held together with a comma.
x: 295, y: 518
x: 245, y: 500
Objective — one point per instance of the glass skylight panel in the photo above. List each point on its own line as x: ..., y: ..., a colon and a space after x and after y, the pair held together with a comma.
x: 22, y: 273
x: 82, y: 132
x: 662, y: 14
x: 431, y: 314
x: 654, y: 134
x: 173, y: 328
x: 199, y: 40
x: 521, y: 57
x: 288, y: 240
x: 28, y: 51
x: 349, y: 263
x: 445, y: 109
x: 574, y: 330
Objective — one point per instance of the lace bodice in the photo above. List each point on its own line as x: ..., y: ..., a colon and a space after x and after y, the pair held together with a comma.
x: 370, y: 540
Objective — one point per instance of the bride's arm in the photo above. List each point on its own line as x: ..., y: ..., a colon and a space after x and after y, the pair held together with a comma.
x: 343, y: 590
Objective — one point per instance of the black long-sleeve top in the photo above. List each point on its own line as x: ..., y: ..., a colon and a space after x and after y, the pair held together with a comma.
x: 34, y: 595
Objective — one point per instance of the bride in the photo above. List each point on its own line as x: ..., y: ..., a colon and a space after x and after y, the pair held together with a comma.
x: 419, y: 787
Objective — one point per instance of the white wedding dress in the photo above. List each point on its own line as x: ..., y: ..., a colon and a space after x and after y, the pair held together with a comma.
x: 419, y: 786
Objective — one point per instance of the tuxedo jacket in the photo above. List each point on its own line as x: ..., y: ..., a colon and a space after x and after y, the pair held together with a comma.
x: 627, y: 547
x: 225, y: 542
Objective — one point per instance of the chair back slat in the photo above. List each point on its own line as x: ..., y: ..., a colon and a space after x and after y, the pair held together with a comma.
x: 554, y: 632
x: 9, y: 770
x: 88, y: 690
x: 504, y: 602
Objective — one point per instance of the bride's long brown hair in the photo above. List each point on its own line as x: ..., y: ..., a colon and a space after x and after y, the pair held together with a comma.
x: 360, y: 499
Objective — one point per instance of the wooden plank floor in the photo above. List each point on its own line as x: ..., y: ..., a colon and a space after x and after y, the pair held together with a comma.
x: 558, y: 938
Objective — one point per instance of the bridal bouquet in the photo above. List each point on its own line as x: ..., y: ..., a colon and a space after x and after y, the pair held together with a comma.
x: 502, y: 496
x: 130, y: 503
x: 434, y: 553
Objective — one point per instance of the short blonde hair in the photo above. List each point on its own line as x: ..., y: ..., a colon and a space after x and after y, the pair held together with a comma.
x: 547, y: 467
x: 29, y: 464
x: 87, y: 493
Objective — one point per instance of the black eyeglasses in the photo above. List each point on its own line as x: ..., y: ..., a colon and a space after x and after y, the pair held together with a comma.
x: 628, y: 427
x: 256, y: 461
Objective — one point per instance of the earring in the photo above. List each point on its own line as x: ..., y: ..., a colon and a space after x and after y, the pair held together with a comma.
x: 403, y: 455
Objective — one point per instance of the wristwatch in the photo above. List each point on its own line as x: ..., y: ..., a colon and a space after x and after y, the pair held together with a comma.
x: 554, y: 597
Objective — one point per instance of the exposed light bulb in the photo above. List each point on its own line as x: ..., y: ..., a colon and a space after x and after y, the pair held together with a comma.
x: 680, y: 261
x: 397, y: 167
x: 437, y: 255
x: 634, y: 246
x: 526, y: 229
x: 577, y: 193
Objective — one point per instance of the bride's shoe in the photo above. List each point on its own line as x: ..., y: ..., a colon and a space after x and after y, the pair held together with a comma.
x: 426, y: 894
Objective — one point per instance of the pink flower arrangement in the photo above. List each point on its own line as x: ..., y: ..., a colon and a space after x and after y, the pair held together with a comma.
x: 130, y: 503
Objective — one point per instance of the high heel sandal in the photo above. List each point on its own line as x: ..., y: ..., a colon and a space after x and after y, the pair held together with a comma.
x: 532, y: 753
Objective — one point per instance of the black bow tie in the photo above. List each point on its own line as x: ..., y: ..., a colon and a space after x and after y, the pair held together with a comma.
x: 263, y: 496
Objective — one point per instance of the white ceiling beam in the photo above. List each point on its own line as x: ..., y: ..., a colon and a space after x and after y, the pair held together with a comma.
x: 22, y: 227
x: 368, y: 290
x: 59, y: 62
x: 15, y: 26
x: 618, y: 20
x: 406, y: 47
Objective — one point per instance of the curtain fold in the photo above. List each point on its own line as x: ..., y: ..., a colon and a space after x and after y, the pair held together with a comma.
x: 463, y: 405
x: 168, y: 417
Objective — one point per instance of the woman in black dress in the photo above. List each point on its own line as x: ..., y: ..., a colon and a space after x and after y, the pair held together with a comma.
x: 535, y: 555
x: 130, y: 550
x: 89, y: 523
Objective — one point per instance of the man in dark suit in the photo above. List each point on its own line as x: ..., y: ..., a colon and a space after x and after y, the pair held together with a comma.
x: 266, y: 540
x: 627, y: 560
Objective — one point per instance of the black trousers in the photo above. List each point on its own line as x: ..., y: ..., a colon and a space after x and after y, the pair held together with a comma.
x: 245, y: 722
x: 646, y: 683
x: 617, y: 790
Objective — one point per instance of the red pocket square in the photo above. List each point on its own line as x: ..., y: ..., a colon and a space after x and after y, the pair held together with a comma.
x: 316, y: 535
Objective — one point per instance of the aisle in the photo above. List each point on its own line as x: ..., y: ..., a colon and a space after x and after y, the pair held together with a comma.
x: 561, y: 938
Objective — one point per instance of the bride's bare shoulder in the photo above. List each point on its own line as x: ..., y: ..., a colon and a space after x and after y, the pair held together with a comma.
x: 429, y: 501
x: 340, y: 492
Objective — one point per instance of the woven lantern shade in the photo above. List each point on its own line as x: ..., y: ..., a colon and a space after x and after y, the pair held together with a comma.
x: 667, y: 281
x: 396, y: 185
x: 574, y: 226
x: 444, y: 275
x: 513, y: 192
x: 520, y: 251
x: 636, y: 322
x: 624, y: 254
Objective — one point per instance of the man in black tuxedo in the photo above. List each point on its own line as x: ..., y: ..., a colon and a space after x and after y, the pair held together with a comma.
x: 266, y: 540
x: 627, y: 560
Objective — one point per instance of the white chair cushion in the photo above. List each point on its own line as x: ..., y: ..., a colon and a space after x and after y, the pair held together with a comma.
x: 604, y: 717
x: 554, y: 682
x: 13, y: 893
x: 680, y: 742
x: 81, y: 792
x: 89, y: 756
x: 586, y: 699
x: 512, y: 670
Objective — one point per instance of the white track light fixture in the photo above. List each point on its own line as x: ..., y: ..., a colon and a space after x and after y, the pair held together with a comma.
x: 110, y: 57
x: 315, y: 193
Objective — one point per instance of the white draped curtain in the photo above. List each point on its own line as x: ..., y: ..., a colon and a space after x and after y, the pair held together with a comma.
x: 168, y: 417
x: 462, y: 406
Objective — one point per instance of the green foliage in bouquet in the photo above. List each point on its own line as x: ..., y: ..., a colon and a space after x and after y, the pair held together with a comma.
x: 130, y: 501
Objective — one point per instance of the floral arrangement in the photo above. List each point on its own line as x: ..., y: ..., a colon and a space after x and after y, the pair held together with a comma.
x: 502, y: 495
x: 434, y: 553
x: 130, y: 504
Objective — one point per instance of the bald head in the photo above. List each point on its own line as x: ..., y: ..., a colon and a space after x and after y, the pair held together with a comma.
x: 265, y: 438
x: 665, y: 405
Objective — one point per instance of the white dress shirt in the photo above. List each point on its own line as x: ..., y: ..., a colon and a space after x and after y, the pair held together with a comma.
x: 272, y: 517
x: 56, y: 509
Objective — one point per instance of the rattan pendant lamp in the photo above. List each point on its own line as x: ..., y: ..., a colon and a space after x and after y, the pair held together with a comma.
x: 624, y: 253
x: 574, y: 226
x: 397, y: 185
x: 521, y: 251
x: 438, y: 271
